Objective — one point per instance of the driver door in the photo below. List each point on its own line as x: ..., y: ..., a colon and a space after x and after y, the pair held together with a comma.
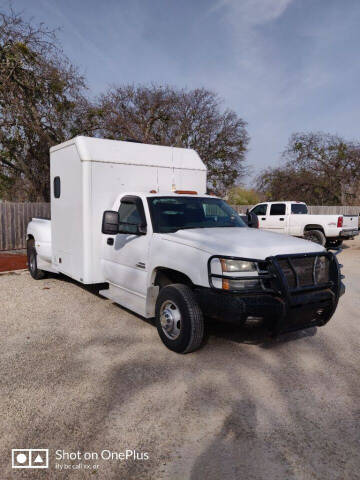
x: 126, y: 254
x: 260, y: 211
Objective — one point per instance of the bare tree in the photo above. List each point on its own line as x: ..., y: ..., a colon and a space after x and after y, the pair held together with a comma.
x: 40, y: 105
x: 181, y: 118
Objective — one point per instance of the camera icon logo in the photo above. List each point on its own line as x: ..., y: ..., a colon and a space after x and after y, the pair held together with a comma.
x: 30, y: 458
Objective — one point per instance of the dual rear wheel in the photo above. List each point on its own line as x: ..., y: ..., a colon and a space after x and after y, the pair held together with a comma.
x: 35, y: 272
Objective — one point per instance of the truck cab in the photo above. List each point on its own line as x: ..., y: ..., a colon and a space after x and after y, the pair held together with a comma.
x: 172, y: 253
x: 274, y: 216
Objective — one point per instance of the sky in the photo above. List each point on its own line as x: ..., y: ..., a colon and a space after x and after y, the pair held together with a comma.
x: 282, y: 65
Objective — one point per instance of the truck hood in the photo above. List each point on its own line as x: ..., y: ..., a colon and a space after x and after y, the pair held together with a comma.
x: 242, y: 242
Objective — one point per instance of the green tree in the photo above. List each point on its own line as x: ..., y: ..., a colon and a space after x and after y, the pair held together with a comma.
x: 243, y: 196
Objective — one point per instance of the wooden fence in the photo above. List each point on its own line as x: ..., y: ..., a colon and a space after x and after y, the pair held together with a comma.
x: 14, y: 218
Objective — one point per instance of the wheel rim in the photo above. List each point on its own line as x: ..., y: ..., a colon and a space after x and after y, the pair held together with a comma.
x: 170, y: 319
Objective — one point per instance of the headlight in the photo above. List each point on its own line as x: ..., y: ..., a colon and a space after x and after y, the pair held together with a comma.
x: 230, y: 265
x: 231, y: 269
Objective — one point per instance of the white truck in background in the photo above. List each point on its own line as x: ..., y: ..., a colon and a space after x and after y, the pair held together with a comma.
x: 293, y: 218
x: 136, y: 217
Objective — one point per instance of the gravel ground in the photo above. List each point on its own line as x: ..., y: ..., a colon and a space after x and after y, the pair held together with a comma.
x: 80, y: 373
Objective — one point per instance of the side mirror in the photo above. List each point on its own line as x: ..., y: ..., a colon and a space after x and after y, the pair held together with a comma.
x: 132, y: 229
x: 247, y: 211
x: 253, y: 221
x: 110, y: 223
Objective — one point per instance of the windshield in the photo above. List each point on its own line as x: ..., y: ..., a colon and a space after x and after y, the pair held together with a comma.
x: 170, y: 214
x: 299, y: 208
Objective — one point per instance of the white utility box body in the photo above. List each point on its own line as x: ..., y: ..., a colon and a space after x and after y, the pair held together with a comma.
x: 93, y: 172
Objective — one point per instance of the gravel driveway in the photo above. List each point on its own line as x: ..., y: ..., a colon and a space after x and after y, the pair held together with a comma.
x: 79, y: 373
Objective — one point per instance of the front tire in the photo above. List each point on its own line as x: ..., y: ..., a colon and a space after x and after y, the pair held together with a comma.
x: 316, y: 236
x: 36, y: 273
x: 179, y: 319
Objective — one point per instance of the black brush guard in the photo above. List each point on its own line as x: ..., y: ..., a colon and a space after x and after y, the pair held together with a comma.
x: 291, y: 306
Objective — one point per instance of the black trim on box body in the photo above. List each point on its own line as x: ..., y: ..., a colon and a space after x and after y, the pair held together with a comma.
x: 291, y: 308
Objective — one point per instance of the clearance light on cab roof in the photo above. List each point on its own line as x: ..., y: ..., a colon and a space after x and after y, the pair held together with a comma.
x: 153, y: 191
x: 186, y: 192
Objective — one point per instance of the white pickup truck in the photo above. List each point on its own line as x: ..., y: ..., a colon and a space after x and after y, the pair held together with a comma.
x: 293, y: 218
x: 136, y: 217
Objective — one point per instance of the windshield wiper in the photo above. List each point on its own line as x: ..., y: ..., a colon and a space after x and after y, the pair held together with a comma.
x: 203, y: 226
x: 179, y: 228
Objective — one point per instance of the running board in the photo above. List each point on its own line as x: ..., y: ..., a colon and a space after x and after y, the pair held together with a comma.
x: 126, y: 298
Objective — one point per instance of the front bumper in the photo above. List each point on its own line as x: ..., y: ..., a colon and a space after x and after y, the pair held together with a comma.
x: 350, y: 233
x: 290, y: 308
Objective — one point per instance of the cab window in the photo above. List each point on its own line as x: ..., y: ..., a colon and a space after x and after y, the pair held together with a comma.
x: 299, y: 209
x: 278, y: 209
x: 129, y: 213
x: 260, y: 209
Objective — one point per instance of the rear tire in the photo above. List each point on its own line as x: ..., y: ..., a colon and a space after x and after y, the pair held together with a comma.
x: 316, y: 236
x: 36, y: 273
x: 179, y: 319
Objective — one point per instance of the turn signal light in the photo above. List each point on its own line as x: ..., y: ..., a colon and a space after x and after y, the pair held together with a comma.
x: 225, y: 284
x: 340, y: 222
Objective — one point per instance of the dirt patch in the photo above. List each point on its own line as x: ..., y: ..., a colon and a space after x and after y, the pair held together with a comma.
x: 10, y: 262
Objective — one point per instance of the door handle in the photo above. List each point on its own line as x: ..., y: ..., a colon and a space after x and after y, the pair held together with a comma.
x: 110, y: 241
x: 263, y: 219
x: 281, y: 219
